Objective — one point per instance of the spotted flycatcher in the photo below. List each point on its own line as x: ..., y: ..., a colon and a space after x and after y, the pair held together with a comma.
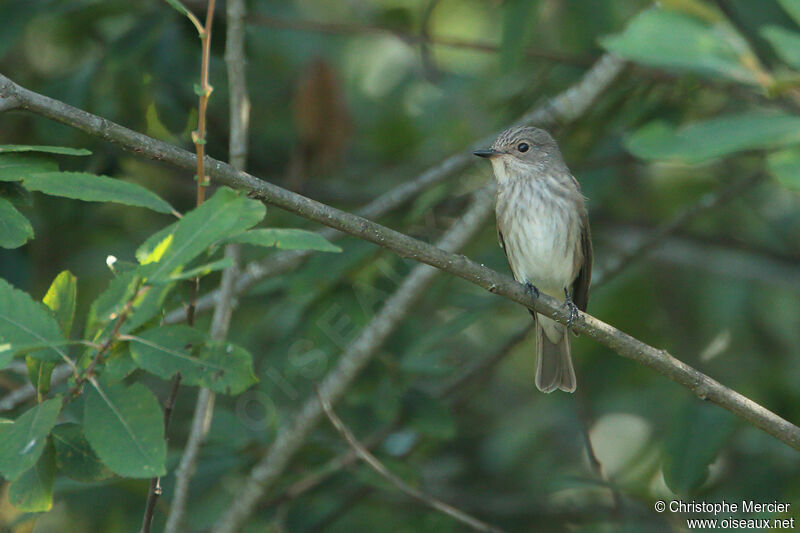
x: 544, y: 230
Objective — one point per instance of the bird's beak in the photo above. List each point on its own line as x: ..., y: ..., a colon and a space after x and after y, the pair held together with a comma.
x: 488, y: 154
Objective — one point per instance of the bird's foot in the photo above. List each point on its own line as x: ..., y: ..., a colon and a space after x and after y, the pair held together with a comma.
x: 573, y: 309
x: 533, y: 290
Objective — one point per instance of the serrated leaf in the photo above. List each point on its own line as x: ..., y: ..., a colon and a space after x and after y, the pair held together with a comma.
x: 669, y: 39
x: 24, y: 321
x: 224, y: 215
x: 91, y: 188
x: 699, y: 433
x: 785, y: 168
x: 62, y: 150
x: 286, y: 239
x: 33, y: 491
x: 718, y: 137
x: 14, y: 167
x: 125, y: 427
x: 61, y: 297
x: 15, y: 229
x: 785, y: 42
x: 792, y: 7
x: 74, y: 455
x: 167, y: 350
x: 39, y: 373
x: 22, y: 442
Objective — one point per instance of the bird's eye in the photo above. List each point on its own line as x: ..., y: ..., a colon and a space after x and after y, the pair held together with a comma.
x: 523, y: 147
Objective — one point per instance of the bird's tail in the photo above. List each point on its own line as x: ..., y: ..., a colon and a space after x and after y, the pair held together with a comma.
x: 553, y: 360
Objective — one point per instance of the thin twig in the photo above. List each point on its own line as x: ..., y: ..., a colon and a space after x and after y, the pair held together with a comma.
x: 377, y: 466
x: 220, y: 323
x: 584, y: 419
x: 199, y: 139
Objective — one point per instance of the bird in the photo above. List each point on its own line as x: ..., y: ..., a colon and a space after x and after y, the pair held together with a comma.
x: 543, y: 228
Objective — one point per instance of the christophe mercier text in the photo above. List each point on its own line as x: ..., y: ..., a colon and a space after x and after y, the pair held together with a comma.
x: 746, y: 506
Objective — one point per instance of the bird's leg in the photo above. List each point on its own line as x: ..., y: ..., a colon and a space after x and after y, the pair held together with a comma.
x: 573, y: 309
x: 533, y: 290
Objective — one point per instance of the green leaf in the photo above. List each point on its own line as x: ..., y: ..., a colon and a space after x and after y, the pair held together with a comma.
x: 669, y: 39
x: 785, y: 167
x: 15, y: 229
x: 153, y: 248
x: 125, y: 427
x: 700, y: 432
x: 107, y: 306
x: 91, y: 188
x: 224, y: 215
x: 792, y: 7
x: 22, y: 442
x: 39, y: 373
x: 14, y: 167
x: 167, y: 350
x: 182, y: 9
x: 33, y: 491
x: 60, y: 298
x: 75, y: 457
x: 286, y: 239
x: 714, y: 138
x: 25, y: 321
x: 202, y: 270
x: 63, y: 150
x: 785, y: 42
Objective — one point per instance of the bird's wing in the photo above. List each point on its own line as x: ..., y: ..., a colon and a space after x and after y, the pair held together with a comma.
x: 580, y: 287
x: 503, y: 246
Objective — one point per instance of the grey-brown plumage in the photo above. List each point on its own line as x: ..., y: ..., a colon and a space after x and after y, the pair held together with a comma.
x: 544, y: 230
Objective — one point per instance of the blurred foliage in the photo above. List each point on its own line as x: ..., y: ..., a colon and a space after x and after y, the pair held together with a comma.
x: 345, y: 107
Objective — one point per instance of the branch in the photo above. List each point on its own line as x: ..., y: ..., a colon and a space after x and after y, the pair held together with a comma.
x: 563, y: 107
x: 378, y: 467
x: 220, y: 323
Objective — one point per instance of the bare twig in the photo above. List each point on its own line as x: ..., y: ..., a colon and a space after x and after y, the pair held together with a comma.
x: 239, y: 115
x: 564, y: 107
x: 402, y: 486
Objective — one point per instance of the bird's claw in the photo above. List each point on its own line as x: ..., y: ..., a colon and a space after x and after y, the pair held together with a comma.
x: 573, y: 309
x: 533, y: 290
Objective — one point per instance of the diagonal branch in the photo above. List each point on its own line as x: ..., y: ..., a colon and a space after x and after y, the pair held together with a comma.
x: 401, y: 485
x: 563, y: 107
